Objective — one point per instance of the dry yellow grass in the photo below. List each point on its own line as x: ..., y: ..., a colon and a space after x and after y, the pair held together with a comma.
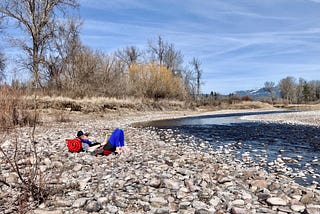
x: 301, y: 106
x: 247, y: 105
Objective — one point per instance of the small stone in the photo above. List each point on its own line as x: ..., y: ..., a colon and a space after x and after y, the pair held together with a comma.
x: 158, y: 201
x: 93, y: 206
x: 202, y: 211
x: 266, y: 210
x: 84, y: 182
x: 312, y: 209
x: 155, y: 182
x: 80, y: 202
x: 284, y: 209
x: 237, y: 210
x: 162, y: 210
x: 47, y: 161
x: 259, y: 183
x: 12, y: 178
x: 199, y: 205
x: 171, y: 184
x: 246, y: 196
x: 77, y: 167
x: 40, y: 211
x: 103, y: 200
x: 238, y: 202
x: 263, y: 196
x: 112, y: 209
x: 189, y: 184
x: 223, y: 180
x: 276, y: 201
x: 306, y: 199
x: 61, y: 203
x: 181, y: 194
x: 298, y: 208
x: 184, y: 205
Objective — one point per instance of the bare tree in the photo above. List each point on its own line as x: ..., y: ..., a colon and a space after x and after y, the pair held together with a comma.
x: 158, y: 49
x: 37, y: 20
x: 173, y: 60
x: 2, y: 58
x: 269, y: 87
x: 166, y: 55
x: 315, y: 89
x: 62, y: 51
x: 287, y: 87
x: 196, y: 66
x: 2, y: 66
x: 129, y: 55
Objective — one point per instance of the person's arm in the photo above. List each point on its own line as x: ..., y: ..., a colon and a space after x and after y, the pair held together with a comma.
x: 89, y: 142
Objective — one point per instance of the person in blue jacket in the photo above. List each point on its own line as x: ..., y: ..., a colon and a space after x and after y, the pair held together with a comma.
x: 86, y: 143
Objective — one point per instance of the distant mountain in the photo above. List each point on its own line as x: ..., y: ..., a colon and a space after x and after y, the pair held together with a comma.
x: 258, y: 93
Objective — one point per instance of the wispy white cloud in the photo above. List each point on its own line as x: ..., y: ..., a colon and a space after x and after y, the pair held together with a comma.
x: 317, y: 1
x: 235, y: 40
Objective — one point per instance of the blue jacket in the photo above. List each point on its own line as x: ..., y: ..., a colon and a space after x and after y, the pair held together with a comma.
x: 86, y: 141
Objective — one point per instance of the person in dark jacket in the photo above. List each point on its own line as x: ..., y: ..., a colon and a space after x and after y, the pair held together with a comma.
x: 86, y: 143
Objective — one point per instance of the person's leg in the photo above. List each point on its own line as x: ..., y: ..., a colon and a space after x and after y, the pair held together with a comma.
x: 121, y: 138
x: 109, y: 147
x: 117, y: 138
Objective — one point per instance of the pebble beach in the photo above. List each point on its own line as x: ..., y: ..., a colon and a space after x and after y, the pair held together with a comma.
x: 157, y: 176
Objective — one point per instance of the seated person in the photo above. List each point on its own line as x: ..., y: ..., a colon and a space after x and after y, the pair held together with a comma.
x: 115, y: 144
x: 86, y: 143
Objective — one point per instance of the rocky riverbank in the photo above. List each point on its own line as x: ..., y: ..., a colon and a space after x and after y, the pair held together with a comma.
x: 159, y: 176
x: 300, y: 118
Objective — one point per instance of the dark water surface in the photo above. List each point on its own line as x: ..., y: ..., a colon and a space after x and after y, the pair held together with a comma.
x: 298, y: 145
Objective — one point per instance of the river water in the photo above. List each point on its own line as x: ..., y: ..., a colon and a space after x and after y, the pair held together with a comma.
x: 294, y: 147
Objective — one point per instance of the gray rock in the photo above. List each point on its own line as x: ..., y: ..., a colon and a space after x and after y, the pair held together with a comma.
x: 238, y: 203
x: 162, y: 210
x: 203, y: 211
x: 158, y: 201
x: 111, y: 209
x: 265, y: 210
x: 93, y: 206
x: 276, y: 201
x: 298, y: 208
x: 171, y: 184
x: 155, y: 182
x: 199, y: 205
x: 184, y: 205
x: 61, y: 203
x: 84, y: 182
x: 214, y: 201
x: 237, y: 210
x: 80, y: 202
x: 41, y: 211
x: 312, y: 209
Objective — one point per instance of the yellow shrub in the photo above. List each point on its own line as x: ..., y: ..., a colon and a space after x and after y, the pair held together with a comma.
x: 155, y: 81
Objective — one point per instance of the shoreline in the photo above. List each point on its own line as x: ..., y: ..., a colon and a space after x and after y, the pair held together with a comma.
x: 161, y: 176
x: 310, y: 118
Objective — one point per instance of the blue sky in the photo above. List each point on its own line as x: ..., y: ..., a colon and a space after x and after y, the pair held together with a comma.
x: 241, y: 43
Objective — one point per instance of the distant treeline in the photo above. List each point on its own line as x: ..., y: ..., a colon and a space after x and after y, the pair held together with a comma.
x: 289, y: 90
x: 300, y: 91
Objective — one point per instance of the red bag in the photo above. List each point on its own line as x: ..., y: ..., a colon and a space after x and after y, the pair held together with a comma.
x: 106, y: 152
x: 74, y: 145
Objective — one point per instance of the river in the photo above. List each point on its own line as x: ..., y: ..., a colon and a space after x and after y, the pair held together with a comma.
x: 280, y: 148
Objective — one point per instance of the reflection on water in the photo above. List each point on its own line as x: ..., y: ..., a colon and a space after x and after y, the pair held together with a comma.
x: 297, y: 143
